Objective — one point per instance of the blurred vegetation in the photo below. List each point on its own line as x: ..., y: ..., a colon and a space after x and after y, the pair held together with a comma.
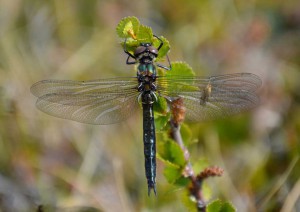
x: 64, y: 165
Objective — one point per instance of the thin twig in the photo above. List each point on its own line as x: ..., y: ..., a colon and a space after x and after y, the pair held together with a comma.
x: 176, y: 135
x: 196, y: 185
x: 195, y: 188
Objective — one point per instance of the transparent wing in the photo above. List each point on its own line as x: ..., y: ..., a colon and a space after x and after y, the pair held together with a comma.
x: 93, y: 102
x: 212, y: 97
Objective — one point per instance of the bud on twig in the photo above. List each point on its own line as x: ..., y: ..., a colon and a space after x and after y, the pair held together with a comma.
x: 210, y: 172
x: 178, y: 111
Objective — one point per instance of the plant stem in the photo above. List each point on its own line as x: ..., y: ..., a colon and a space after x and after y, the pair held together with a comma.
x: 196, y: 184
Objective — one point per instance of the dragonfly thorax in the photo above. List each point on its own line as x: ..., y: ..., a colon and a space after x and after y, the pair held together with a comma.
x: 146, y: 83
x: 146, y: 69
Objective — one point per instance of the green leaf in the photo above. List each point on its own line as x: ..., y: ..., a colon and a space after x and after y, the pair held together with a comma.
x: 228, y: 207
x: 161, y: 105
x: 188, y: 202
x: 180, y: 68
x: 128, y: 27
x: 130, y: 45
x: 144, y: 34
x: 182, y: 181
x: 162, y: 136
x: 171, y: 152
x: 161, y: 121
x: 172, y: 173
x: 214, y: 206
x: 200, y: 164
x: 164, y: 50
x: 186, y: 134
x: 220, y: 206
x: 137, y: 33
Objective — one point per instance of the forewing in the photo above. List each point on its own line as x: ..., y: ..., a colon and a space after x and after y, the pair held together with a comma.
x: 213, y: 97
x: 113, y: 85
x: 93, y: 102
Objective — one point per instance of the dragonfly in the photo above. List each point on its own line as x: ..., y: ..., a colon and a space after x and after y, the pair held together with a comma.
x: 108, y: 101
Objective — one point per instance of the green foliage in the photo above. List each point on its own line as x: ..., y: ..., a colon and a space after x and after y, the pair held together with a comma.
x: 164, y: 49
x: 180, y: 69
x: 127, y: 27
x: 161, y: 121
x: 220, y: 206
x: 199, y: 165
x: 40, y: 155
x: 186, y: 134
x: 171, y: 153
x: 188, y: 201
x: 161, y: 114
x: 172, y: 172
x: 161, y: 105
x: 136, y: 33
x: 144, y: 34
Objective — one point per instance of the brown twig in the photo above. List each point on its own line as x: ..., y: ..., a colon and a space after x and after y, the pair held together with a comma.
x: 195, y: 188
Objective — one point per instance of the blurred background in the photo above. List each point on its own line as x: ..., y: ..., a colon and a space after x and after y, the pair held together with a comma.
x: 64, y: 165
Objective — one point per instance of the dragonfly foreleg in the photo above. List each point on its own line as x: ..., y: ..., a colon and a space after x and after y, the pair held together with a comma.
x: 129, y: 54
x: 166, y: 67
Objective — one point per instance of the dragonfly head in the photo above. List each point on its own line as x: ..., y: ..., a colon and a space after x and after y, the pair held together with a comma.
x: 146, y: 51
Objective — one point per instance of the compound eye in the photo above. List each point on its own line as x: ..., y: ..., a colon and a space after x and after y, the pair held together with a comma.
x: 139, y: 50
x: 153, y: 50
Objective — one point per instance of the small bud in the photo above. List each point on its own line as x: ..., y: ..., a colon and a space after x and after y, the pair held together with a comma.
x: 178, y: 111
x: 210, y: 172
x: 131, y: 33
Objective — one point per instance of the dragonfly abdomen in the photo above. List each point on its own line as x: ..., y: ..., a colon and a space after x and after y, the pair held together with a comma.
x: 149, y: 140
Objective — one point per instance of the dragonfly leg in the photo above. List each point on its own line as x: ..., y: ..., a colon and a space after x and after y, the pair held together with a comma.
x: 153, y: 87
x: 161, y: 42
x: 166, y: 67
x: 130, y: 62
x: 129, y: 54
x: 141, y: 87
x: 158, y: 48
